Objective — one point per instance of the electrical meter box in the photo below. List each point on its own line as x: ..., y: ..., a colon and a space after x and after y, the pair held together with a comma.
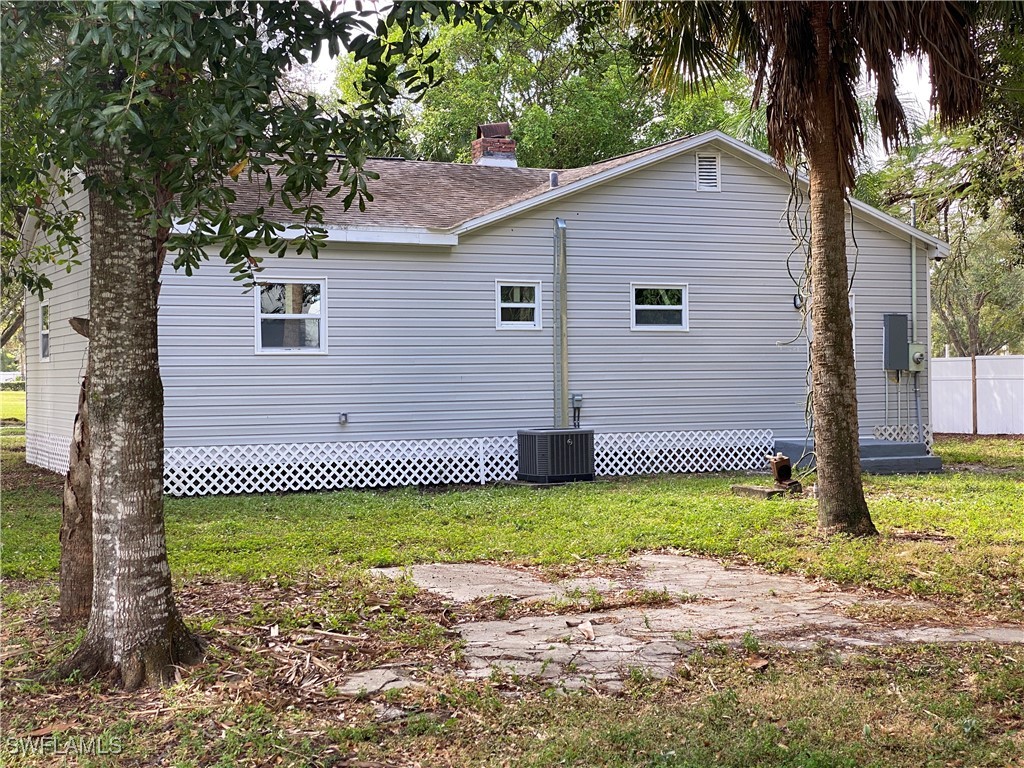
x: 895, y: 343
x: 918, y: 357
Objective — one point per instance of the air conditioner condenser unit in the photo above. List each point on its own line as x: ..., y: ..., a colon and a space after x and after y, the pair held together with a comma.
x: 556, y: 455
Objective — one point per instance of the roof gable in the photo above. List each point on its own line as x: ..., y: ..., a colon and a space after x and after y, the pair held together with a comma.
x: 603, y: 173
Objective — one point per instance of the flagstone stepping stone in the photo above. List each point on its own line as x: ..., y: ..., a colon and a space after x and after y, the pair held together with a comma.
x: 601, y: 649
x: 374, y: 681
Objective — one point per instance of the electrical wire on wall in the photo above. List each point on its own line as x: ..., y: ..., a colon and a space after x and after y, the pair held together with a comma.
x: 799, y: 225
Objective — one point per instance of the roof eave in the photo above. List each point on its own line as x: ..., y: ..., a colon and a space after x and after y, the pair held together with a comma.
x: 391, y: 236
x: 371, y: 235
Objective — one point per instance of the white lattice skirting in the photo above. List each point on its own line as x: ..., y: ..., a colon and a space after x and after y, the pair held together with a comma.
x: 219, y: 469
x: 49, y: 451
x: 620, y: 454
x: 320, y: 466
x: 377, y: 464
x: 903, y: 433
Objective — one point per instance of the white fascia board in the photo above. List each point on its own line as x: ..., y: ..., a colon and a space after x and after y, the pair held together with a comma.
x: 375, y: 235
x: 403, y: 236
x: 720, y: 139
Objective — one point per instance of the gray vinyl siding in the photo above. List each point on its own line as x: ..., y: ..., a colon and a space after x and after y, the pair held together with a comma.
x: 413, y: 351
x: 732, y: 369
x: 881, y: 286
x: 52, y: 387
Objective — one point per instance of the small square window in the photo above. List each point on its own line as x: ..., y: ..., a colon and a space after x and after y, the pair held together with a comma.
x: 44, y: 332
x: 517, y: 305
x: 660, y: 307
x: 290, y: 316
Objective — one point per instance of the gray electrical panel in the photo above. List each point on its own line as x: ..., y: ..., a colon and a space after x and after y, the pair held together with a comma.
x: 895, y: 343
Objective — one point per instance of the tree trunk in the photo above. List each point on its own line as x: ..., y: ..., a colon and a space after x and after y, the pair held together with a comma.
x: 841, y: 504
x: 76, y: 522
x: 134, y: 631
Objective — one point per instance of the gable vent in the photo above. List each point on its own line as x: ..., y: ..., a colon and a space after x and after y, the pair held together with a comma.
x: 709, y: 173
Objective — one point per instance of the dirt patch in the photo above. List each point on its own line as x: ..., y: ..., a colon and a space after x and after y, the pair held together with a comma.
x: 16, y: 475
x: 932, y: 536
x: 982, y: 469
x: 506, y: 607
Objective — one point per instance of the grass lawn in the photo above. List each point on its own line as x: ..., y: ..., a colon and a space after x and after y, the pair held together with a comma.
x: 981, y: 450
x: 296, y: 562
x: 12, y: 406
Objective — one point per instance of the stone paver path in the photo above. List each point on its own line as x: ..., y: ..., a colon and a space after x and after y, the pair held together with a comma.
x: 601, y: 647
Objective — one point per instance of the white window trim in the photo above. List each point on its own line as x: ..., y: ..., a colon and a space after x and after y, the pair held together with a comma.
x: 684, y: 328
x: 49, y: 337
x: 537, y: 323
x: 718, y: 171
x: 258, y: 339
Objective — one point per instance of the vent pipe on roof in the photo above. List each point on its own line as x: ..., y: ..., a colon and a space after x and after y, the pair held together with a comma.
x: 553, y: 178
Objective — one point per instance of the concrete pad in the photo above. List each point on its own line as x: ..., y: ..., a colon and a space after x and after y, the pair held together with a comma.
x: 466, y: 582
x: 710, y: 579
x: 786, y: 610
x: 374, y: 681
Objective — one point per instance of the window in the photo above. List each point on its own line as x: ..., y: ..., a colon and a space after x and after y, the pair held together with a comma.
x: 290, y: 316
x: 709, y: 173
x: 660, y: 307
x: 517, y: 305
x: 44, y: 332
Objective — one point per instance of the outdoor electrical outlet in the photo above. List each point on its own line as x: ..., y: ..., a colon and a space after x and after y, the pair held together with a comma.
x: 343, y: 419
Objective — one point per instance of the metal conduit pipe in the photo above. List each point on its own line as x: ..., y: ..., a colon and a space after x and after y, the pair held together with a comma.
x: 560, y: 342
x: 913, y: 317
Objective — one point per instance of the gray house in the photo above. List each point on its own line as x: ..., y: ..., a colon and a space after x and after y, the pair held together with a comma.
x: 651, y: 297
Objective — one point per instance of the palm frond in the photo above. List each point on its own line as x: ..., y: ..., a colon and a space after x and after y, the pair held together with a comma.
x: 686, y: 45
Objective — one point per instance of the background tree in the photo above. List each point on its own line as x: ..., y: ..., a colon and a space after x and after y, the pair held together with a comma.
x: 978, y: 295
x: 968, y: 187
x: 161, y: 105
x: 954, y: 184
x: 31, y: 201
x: 570, y: 102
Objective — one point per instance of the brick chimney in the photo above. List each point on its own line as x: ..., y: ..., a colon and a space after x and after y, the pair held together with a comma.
x: 494, y: 145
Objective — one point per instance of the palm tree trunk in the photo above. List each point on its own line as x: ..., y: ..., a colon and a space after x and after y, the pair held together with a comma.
x: 134, y: 630
x: 841, y: 504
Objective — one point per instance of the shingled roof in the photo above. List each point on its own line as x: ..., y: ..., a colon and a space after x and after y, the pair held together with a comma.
x: 437, y: 196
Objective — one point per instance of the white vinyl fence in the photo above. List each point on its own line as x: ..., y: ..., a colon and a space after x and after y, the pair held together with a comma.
x: 1000, y: 394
